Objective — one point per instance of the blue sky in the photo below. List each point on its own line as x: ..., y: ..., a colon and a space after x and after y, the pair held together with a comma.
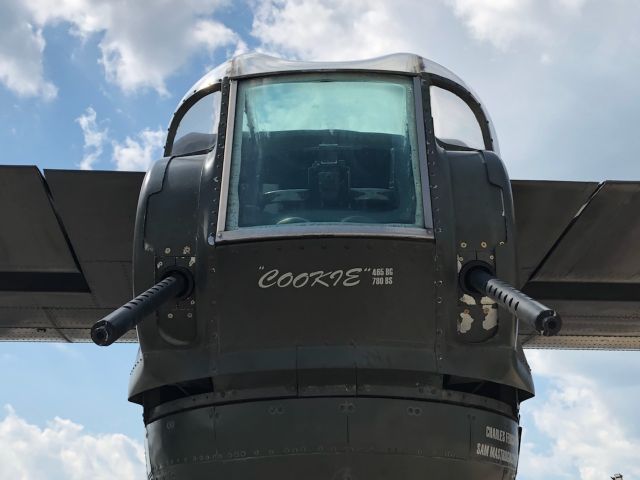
x: 93, y: 83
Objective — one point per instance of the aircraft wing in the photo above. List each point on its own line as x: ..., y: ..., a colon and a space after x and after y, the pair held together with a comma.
x: 65, y: 250
x: 66, y: 243
x: 579, y: 252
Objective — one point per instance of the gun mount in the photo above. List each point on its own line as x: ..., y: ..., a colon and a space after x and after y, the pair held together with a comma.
x: 478, y: 278
x: 106, y: 331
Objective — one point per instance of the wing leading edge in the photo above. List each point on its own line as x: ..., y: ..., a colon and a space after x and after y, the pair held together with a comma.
x: 66, y: 243
x: 65, y: 250
x: 578, y: 251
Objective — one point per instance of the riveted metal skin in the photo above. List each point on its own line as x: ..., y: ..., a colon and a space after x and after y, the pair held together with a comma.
x: 165, y: 240
x: 473, y: 221
x: 178, y: 198
x: 334, y: 438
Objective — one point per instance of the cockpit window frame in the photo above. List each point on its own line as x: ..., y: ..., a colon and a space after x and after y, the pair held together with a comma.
x: 179, y: 114
x: 329, y: 230
x: 476, y: 108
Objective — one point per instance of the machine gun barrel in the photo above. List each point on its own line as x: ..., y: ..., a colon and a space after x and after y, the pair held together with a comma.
x: 106, y: 331
x: 542, y: 318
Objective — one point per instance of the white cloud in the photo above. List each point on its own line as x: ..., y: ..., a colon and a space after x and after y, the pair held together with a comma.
x: 335, y: 29
x: 503, y: 22
x: 343, y: 29
x: 146, y: 41
x: 142, y: 42
x: 63, y: 451
x: 552, y: 73
x: 94, y: 138
x: 138, y: 153
x: 589, y: 417
x: 134, y: 153
x: 21, y: 47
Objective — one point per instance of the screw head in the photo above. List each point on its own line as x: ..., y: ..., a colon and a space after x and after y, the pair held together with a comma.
x: 167, y: 250
x: 463, y: 244
x: 169, y: 315
x: 483, y: 244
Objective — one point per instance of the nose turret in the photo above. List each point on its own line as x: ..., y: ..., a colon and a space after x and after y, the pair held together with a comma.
x: 325, y: 219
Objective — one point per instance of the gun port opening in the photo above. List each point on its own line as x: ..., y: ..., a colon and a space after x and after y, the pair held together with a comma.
x: 472, y: 277
x: 184, y: 277
x: 101, y: 335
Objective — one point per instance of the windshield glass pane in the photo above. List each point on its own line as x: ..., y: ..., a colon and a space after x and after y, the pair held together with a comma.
x: 196, y: 131
x: 453, y: 120
x: 325, y: 148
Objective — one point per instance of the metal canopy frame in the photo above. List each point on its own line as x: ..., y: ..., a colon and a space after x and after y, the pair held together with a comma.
x: 330, y: 230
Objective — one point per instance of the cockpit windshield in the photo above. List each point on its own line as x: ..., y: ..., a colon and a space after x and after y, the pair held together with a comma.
x: 325, y: 148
